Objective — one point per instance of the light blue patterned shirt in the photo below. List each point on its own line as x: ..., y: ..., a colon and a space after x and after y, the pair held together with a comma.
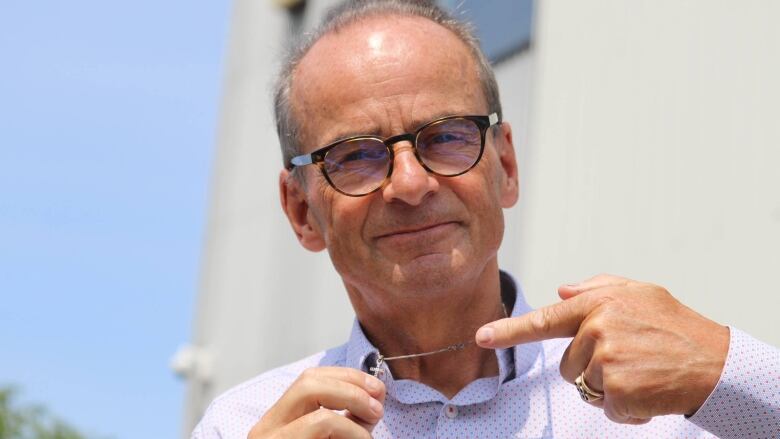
x: 528, y: 399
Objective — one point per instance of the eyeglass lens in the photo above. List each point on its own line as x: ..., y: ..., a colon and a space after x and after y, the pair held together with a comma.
x: 449, y: 147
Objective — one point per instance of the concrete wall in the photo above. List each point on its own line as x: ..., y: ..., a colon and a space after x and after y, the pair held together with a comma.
x: 653, y: 153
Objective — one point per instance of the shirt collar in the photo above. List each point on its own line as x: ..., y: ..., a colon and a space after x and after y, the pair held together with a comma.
x: 512, y: 363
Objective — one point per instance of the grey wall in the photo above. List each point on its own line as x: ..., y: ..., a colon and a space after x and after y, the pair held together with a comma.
x: 653, y: 152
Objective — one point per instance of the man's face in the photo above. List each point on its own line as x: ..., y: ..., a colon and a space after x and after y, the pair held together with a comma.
x: 420, y: 234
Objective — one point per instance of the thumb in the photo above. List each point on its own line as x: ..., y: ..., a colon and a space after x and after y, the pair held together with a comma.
x: 568, y: 291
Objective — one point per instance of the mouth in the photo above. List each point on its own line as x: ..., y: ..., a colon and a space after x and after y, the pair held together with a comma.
x: 419, y: 232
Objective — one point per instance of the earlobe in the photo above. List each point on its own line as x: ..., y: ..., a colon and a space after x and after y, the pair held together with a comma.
x: 510, y: 186
x: 296, y: 208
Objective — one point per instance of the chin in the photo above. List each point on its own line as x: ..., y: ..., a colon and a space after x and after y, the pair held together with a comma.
x: 430, y: 274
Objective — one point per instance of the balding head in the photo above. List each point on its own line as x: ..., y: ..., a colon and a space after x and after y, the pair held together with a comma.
x: 288, y: 122
x: 354, y: 76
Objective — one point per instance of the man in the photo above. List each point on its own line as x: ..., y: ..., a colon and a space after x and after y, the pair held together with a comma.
x: 398, y: 163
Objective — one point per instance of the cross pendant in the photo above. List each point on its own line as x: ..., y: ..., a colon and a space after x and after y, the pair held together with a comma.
x: 380, y: 359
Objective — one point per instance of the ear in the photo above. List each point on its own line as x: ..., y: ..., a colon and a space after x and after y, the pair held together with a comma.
x: 294, y: 204
x: 510, y: 185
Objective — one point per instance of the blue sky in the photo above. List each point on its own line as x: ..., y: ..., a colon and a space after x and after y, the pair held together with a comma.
x: 108, y: 113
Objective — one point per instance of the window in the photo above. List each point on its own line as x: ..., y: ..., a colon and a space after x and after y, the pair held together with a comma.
x: 503, y: 26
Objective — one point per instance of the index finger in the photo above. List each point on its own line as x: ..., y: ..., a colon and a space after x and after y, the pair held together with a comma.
x: 374, y: 386
x: 555, y: 321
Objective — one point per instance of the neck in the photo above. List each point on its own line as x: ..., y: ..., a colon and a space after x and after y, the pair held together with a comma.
x: 404, y: 326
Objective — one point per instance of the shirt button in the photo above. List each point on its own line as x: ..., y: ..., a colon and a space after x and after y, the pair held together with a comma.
x: 380, y: 374
x: 450, y: 411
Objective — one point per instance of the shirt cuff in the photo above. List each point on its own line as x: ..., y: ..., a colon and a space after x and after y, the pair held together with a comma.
x: 746, y: 401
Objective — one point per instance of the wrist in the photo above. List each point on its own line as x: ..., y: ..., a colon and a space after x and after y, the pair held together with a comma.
x: 715, y: 350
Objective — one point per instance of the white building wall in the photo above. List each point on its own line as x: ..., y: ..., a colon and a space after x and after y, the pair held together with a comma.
x: 654, y: 150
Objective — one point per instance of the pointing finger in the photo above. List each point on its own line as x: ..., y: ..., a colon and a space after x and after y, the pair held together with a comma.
x: 555, y: 321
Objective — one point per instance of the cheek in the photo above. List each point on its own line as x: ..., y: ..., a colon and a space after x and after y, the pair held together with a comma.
x: 346, y: 217
x: 348, y: 251
x: 485, y: 202
x: 320, y: 209
x: 491, y: 216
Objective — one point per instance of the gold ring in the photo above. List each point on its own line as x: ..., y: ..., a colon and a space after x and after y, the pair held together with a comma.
x: 586, y: 393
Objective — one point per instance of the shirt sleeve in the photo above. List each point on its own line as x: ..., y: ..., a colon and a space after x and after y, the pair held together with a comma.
x: 197, y: 433
x: 205, y: 430
x: 746, y: 401
x: 209, y: 425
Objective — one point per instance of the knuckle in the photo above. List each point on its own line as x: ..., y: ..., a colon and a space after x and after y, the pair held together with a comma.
x: 305, y: 384
x: 321, y: 419
x: 655, y: 293
x: 613, y: 415
x: 603, y: 301
x: 649, y: 287
x: 349, y: 374
x: 594, y: 329
x: 606, y: 355
x: 357, y: 395
x: 661, y: 291
x: 606, y: 308
x: 309, y: 374
x: 563, y: 367
x: 542, y: 321
x: 567, y: 372
x: 614, y: 386
x: 506, y: 327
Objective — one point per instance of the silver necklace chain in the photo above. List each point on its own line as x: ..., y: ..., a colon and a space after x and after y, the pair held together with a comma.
x: 381, y: 359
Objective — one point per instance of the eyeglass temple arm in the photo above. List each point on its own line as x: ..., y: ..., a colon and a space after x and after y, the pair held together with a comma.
x: 301, y: 160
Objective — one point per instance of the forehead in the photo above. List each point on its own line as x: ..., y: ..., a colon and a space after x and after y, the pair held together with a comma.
x: 382, y: 74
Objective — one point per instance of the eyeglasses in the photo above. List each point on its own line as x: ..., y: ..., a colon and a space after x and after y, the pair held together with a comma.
x: 360, y: 165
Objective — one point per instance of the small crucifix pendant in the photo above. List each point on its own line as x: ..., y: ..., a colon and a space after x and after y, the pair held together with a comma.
x: 379, y: 360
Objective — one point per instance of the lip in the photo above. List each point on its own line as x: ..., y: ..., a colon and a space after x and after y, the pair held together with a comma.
x: 418, y: 231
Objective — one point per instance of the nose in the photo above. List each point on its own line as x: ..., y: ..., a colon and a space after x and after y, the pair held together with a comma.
x: 410, y: 182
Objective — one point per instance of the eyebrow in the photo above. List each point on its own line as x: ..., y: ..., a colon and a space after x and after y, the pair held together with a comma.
x: 417, y: 123
x: 376, y: 132
x: 346, y: 134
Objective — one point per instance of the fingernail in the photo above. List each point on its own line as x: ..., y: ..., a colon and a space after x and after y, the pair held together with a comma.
x: 485, y: 335
x: 376, y: 407
x: 572, y: 284
x: 373, y: 384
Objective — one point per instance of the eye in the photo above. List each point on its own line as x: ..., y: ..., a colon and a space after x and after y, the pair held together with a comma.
x: 446, y: 137
x: 363, y: 154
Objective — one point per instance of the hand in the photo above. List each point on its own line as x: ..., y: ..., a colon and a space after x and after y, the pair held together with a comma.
x: 648, y: 353
x: 306, y: 410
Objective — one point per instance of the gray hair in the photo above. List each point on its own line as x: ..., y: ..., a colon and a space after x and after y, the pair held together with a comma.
x: 348, y: 13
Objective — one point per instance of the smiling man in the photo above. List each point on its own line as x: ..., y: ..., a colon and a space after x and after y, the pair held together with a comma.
x: 398, y: 163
